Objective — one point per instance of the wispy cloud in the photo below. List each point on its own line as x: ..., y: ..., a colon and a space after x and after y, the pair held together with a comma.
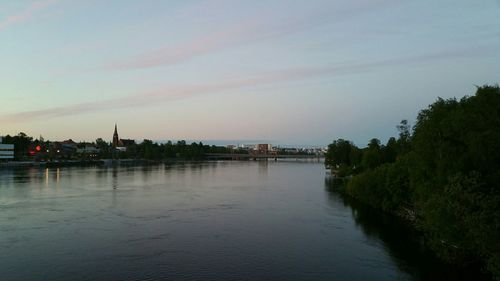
x: 185, y: 51
x: 26, y: 14
x: 173, y: 93
x: 254, y: 29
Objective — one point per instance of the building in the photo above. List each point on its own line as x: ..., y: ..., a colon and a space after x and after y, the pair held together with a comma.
x: 88, y: 150
x: 263, y: 148
x: 247, y: 146
x: 117, y: 142
x: 6, y: 151
x: 116, y: 139
x: 127, y: 142
x: 62, y: 149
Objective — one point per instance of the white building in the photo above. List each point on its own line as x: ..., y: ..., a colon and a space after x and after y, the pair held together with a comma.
x: 88, y: 150
x: 6, y: 151
x: 247, y: 146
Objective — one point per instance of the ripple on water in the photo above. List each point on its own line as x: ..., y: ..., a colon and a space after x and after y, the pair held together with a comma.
x: 220, y: 221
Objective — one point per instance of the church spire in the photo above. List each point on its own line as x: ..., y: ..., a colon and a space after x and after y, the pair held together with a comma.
x: 116, y: 139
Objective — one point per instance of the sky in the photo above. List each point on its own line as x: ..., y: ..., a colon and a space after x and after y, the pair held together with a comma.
x: 288, y: 72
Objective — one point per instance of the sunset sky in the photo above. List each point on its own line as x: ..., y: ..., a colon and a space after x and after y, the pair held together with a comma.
x: 290, y: 72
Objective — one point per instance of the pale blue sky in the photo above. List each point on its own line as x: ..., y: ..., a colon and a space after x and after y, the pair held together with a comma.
x: 291, y: 72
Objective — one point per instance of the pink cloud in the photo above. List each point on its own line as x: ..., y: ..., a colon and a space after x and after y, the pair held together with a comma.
x: 182, y: 52
x: 173, y: 93
x: 163, y: 95
x: 260, y: 27
x: 25, y: 14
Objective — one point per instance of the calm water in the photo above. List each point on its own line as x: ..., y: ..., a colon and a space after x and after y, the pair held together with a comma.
x: 208, y: 221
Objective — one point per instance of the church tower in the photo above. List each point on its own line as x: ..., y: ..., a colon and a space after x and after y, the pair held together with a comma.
x: 116, y: 139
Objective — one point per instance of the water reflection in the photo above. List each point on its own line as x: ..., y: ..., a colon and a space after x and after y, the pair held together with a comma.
x: 404, y: 244
x: 263, y: 168
x: 248, y: 220
x: 46, y: 177
x: 114, y: 174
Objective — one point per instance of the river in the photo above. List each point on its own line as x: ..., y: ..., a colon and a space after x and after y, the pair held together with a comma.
x: 249, y: 220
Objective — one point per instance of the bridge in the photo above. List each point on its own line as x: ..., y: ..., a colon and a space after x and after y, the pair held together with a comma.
x: 235, y: 156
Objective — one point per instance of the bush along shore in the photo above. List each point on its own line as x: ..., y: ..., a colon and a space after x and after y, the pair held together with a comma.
x: 443, y: 175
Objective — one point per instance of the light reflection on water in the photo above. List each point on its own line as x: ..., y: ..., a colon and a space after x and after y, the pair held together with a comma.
x: 195, y: 221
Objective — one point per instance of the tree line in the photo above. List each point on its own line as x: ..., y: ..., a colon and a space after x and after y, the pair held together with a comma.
x: 443, y: 174
x: 147, y: 149
x: 150, y: 150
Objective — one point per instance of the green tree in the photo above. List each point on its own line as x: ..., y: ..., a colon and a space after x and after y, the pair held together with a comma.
x: 104, y: 148
x: 21, y: 144
x: 459, y: 160
x: 445, y: 176
x: 372, y: 155
x: 343, y: 156
x: 390, y: 151
x: 404, y: 141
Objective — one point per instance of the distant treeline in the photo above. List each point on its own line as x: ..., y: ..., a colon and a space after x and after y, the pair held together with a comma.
x: 443, y: 174
x: 147, y: 149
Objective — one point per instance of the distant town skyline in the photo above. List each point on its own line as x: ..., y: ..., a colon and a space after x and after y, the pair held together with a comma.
x: 289, y: 72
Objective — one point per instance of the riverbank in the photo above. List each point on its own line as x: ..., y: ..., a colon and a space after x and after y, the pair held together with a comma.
x: 104, y: 162
x: 472, y: 270
x: 442, y: 173
x: 67, y: 163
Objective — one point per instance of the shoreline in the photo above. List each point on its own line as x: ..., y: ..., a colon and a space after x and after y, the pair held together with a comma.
x: 66, y: 163
x: 408, y: 218
x: 111, y: 162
